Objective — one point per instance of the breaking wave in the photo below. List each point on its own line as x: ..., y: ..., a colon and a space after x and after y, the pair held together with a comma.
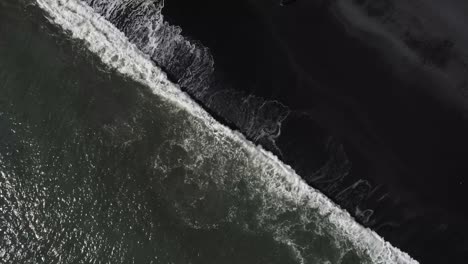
x: 279, y: 189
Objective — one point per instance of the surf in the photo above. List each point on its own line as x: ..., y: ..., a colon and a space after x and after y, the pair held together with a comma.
x: 114, y: 49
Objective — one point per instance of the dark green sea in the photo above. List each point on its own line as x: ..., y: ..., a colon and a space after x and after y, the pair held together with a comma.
x: 96, y: 167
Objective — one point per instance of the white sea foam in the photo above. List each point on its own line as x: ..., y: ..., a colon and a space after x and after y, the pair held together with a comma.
x: 113, y: 48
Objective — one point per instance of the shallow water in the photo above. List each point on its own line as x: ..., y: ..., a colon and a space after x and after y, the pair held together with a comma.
x: 97, y: 168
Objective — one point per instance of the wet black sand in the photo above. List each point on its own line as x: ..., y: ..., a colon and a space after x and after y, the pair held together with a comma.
x: 407, y: 148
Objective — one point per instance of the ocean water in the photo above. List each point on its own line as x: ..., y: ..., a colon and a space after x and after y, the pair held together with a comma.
x: 104, y: 160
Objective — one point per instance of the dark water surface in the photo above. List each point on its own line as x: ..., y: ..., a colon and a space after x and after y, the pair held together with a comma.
x: 94, y: 168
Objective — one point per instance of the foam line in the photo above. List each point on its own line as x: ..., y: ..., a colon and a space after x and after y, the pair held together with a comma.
x: 113, y: 48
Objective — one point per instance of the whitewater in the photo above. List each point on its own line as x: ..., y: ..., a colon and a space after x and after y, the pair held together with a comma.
x: 115, y: 50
